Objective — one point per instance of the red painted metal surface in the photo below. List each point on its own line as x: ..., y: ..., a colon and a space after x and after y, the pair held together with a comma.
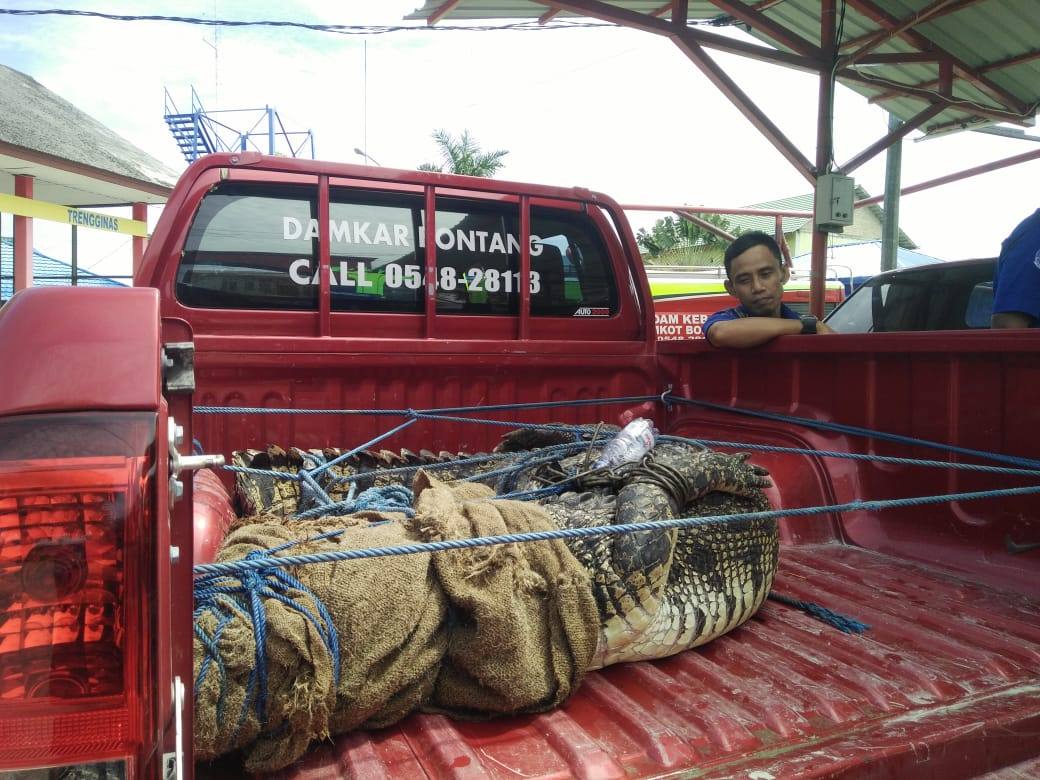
x: 73, y: 348
x: 23, y: 237
x: 967, y: 389
x: 952, y: 683
x: 212, y: 515
x: 784, y: 695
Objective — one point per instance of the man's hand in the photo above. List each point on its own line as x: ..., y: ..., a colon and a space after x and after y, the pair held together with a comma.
x: 1010, y: 319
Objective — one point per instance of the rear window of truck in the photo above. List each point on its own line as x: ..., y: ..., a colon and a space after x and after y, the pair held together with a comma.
x: 255, y: 247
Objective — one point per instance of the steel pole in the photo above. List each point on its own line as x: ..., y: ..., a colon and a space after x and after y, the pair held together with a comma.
x: 824, y: 137
x: 270, y: 130
x: 893, y: 173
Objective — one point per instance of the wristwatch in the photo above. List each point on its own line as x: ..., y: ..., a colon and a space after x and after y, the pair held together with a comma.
x: 808, y: 323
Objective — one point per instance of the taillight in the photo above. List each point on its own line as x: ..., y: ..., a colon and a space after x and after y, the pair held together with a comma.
x: 76, y: 570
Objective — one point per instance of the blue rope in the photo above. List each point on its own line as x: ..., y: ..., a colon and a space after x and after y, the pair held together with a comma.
x: 388, y: 498
x: 857, y: 431
x: 262, y: 578
x: 666, y: 398
x: 841, y: 622
x: 526, y: 459
x: 942, y: 464
x: 232, y: 567
x: 560, y: 449
x: 260, y: 574
x: 340, y: 458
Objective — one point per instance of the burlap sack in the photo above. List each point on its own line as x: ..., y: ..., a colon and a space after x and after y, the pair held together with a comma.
x: 524, y: 620
x: 471, y: 633
x: 382, y: 608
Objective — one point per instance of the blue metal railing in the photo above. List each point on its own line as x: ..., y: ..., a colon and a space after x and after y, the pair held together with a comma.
x: 199, y: 132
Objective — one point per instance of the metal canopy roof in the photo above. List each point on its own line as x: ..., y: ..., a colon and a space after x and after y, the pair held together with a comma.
x: 939, y: 65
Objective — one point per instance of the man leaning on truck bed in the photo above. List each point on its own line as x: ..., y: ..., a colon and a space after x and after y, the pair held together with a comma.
x: 756, y: 275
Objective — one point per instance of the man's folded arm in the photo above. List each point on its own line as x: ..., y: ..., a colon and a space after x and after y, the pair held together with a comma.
x: 750, y: 331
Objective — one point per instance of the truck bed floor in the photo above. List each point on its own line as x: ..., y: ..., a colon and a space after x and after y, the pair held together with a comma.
x: 948, y: 671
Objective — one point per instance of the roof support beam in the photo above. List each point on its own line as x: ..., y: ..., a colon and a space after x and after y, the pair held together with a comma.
x: 897, y: 58
x: 553, y: 10
x: 680, y: 12
x: 1018, y: 59
x: 744, y: 104
x: 931, y: 96
x: 441, y: 12
x: 704, y: 224
x: 956, y: 5
x: 996, y: 165
x: 896, y: 135
x: 870, y: 9
x: 597, y: 9
x: 768, y: 27
x: 890, y: 32
x: 662, y: 10
x: 1009, y: 62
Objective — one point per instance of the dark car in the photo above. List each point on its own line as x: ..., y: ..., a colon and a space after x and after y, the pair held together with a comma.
x: 940, y: 296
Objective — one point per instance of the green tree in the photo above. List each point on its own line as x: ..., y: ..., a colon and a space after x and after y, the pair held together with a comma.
x: 674, y: 233
x: 464, y: 155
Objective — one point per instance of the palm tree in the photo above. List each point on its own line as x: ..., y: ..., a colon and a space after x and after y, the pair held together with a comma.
x: 464, y: 155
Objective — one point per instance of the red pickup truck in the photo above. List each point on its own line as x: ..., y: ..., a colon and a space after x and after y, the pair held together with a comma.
x: 310, y: 286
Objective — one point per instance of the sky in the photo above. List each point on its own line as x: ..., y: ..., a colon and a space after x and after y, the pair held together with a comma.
x: 614, y: 110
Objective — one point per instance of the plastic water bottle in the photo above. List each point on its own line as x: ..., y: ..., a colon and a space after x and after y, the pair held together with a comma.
x: 630, y: 444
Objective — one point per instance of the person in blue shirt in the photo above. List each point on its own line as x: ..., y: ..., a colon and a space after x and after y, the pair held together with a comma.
x: 1016, y: 285
x: 755, y: 276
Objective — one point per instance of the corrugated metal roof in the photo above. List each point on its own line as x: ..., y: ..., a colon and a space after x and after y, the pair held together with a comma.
x: 524, y: 9
x: 47, y: 272
x: 802, y: 202
x: 977, y: 35
x: 768, y: 224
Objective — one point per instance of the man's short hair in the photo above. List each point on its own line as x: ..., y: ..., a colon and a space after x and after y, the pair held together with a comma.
x: 750, y: 240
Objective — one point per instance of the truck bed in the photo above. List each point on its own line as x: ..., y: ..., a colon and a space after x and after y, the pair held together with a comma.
x: 947, y: 672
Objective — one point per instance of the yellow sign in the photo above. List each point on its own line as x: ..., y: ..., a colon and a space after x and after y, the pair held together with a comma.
x: 27, y: 207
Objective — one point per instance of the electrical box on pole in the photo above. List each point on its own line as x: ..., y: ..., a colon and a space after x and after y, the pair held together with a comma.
x: 835, y: 198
